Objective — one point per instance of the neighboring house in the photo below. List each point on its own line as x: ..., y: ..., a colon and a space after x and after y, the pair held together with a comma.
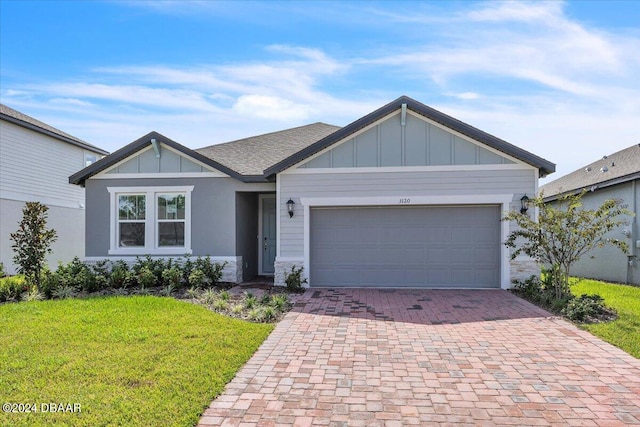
x: 35, y: 162
x: 403, y: 197
x: 616, y: 176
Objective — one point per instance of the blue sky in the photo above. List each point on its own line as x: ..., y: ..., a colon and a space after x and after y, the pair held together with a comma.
x: 558, y: 79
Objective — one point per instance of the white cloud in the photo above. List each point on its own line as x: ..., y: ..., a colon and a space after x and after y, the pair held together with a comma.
x: 558, y: 88
x: 270, y: 107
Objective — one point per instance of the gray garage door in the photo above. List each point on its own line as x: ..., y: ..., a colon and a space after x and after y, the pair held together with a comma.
x: 408, y: 246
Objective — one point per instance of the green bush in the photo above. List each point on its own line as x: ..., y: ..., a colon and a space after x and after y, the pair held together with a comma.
x: 212, y: 271
x: 11, y: 288
x: 294, y: 280
x: 584, y: 308
x: 2, y: 273
x: 197, y: 278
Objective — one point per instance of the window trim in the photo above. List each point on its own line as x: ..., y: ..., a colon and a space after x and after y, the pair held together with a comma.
x: 151, y: 221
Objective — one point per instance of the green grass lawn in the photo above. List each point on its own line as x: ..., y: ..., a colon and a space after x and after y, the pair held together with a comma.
x: 625, y: 331
x: 134, y: 361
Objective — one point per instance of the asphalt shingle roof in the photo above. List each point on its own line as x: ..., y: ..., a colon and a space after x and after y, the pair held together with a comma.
x: 614, y: 167
x: 251, y: 156
x: 29, y: 122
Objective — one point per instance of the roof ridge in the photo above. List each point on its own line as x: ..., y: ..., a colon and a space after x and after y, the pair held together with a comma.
x: 267, y: 134
x: 28, y: 120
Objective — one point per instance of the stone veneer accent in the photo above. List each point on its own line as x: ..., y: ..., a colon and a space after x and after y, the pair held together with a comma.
x: 282, y: 268
x: 232, y: 272
x: 523, y: 268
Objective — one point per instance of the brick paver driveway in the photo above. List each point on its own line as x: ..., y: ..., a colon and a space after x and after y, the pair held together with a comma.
x: 427, y: 357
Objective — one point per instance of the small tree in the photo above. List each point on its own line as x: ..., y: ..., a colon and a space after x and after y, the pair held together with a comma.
x: 563, y: 234
x: 32, y: 241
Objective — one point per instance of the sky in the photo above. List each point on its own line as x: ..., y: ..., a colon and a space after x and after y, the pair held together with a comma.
x: 559, y: 79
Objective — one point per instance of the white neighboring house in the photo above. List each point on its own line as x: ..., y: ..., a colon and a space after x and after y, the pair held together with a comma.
x: 35, y: 162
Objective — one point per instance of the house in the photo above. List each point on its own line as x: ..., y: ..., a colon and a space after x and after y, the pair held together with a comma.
x: 35, y: 162
x: 405, y: 196
x: 616, y: 176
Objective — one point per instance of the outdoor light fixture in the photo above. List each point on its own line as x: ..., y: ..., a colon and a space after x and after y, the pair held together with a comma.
x: 524, y: 204
x: 291, y: 205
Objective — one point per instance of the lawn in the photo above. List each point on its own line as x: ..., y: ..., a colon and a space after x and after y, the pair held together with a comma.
x: 625, y: 331
x: 134, y: 361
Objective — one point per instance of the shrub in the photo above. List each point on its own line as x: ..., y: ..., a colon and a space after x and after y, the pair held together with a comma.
x: 194, y: 292
x: 237, y: 309
x: 220, y: 305
x: 33, y: 294
x: 32, y: 241
x: 280, y: 302
x: 294, y: 280
x: 585, y: 308
x: 120, y: 276
x: 225, y: 295
x: 11, y: 288
x: 64, y: 292
x: 172, y: 276
x: 168, y: 290
x: 249, y: 300
x: 2, y: 273
x: 197, y: 278
x: 255, y: 314
x: 268, y: 314
x: 209, y: 296
x: 212, y: 271
x: 146, y: 278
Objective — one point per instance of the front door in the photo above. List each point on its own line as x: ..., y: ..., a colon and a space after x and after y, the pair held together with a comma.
x: 268, y: 235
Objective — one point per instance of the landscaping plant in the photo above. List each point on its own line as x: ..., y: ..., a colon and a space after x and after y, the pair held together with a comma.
x: 294, y: 280
x: 32, y: 241
x: 561, y: 235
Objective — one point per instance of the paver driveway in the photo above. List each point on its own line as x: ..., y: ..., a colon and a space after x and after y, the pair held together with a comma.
x: 360, y: 357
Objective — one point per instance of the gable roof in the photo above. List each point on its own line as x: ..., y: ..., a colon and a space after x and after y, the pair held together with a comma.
x: 616, y: 168
x: 106, y: 162
x: 28, y: 122
x: 545, y: 166
x: 260, y: 158
x: 251, y: 156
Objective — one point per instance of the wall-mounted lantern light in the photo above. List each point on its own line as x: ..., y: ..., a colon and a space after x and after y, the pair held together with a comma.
x: 524, y: 204
x: 291, y: 206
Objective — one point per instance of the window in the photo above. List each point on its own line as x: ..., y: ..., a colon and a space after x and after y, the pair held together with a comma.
x: 170, y: 219
x: 150, y: 220
x: 131, y: 220
x: 89, y: 159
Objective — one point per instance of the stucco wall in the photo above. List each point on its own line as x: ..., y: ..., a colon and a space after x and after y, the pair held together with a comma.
x: 213, y: 212
x: 68, y: 223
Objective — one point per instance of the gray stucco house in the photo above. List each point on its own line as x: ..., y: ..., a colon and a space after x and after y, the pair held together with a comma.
x: 404, y: 196
x: 616, y: 176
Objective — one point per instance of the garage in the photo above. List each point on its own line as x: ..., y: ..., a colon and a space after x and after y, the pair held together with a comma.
x: 405, y: 246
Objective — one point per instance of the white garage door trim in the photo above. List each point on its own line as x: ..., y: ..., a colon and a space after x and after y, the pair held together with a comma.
x: 504, y: 200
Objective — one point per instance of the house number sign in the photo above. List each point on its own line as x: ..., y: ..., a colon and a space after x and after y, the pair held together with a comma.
x: 405, y: 201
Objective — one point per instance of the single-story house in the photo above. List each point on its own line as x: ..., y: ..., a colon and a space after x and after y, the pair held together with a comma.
x: 36, y: 160
x: 615, y: 176
x: 405, y: 196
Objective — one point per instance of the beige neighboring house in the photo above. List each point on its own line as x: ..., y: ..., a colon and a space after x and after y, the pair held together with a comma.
x: 35, y: 162
x: 615, y: 176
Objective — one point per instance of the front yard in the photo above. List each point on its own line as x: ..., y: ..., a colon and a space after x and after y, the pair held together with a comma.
x: 135, y: 361
x: 623, y: 332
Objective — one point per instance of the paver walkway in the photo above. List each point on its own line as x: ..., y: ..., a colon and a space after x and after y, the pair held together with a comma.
x: 360, y: 357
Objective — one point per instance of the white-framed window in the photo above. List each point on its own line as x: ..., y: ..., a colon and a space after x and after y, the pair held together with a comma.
x: 150, y: 220
x: 90, y: 158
